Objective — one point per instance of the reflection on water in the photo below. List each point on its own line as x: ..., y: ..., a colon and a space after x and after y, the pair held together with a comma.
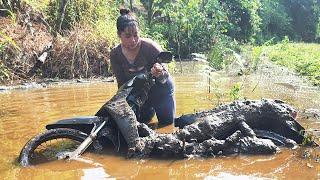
x: 95, y: 173
x: 24, y: 114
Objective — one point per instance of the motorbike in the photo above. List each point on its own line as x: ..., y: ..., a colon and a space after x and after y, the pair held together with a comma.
x: 67, y: 139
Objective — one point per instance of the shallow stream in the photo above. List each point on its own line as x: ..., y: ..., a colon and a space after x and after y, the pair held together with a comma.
x: 24, y: 113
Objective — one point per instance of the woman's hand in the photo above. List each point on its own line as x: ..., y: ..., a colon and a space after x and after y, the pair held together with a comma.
x: 157, y: 70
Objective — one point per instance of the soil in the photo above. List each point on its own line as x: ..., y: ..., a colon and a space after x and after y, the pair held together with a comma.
x: 32, y: 53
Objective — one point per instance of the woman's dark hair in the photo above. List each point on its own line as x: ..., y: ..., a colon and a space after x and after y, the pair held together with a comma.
x: 126, y: 19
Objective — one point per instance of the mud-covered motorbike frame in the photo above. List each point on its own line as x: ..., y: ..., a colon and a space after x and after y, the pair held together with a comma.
x: 102, y: 126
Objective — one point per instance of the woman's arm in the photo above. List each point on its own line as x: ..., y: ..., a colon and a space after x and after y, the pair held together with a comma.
x: 117, y: 69
x: 160, y: 71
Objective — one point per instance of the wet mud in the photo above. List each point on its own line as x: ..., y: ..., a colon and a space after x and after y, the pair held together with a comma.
x: 224, y: 130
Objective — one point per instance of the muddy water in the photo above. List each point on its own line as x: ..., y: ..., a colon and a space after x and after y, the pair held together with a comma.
x: 24, y: 114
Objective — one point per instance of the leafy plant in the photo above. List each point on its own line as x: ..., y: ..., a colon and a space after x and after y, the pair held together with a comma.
x: 7, y: 40
x: 308, y: 138
x: 220, y: 50
x: 235, y: 91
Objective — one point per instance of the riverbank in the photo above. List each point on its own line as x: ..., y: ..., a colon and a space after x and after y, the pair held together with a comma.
x: 31, y: 50
x: 44, y: 83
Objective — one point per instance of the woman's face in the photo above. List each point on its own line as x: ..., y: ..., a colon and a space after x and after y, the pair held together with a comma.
x: 130, y: 37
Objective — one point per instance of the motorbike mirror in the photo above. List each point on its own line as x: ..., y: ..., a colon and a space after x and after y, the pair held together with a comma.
x: 165, y: 57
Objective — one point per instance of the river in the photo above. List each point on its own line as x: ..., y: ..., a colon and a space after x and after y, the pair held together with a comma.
x: 24, y: 113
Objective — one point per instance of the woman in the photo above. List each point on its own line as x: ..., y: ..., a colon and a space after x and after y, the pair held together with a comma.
x: 135, y: 55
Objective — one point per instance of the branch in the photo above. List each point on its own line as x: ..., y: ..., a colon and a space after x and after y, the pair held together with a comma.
x: 62, y: 10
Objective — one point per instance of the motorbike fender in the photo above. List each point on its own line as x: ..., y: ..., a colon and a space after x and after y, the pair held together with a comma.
x: 84, y: 123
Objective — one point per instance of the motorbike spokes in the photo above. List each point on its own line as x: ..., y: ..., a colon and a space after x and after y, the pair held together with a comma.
x: 54, y: 149
x: 51, y: 145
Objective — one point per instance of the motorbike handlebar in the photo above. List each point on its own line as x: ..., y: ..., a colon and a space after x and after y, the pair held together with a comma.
x: 164, y: 57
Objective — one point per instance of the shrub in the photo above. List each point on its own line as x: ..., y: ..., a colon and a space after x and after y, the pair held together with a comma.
x: 220, y: 50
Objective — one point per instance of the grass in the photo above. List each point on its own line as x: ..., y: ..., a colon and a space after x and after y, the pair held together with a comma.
x: 303, y: 58
x: 38, y: 5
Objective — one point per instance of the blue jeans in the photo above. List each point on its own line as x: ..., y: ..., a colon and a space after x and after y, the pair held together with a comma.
x: 161, y: 101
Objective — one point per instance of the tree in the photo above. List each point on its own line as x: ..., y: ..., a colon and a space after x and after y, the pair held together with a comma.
x: 304, y: 18
x: 276, y: 23
x: 188, y: 25
x: 244, y: 21
x: 61, y: 14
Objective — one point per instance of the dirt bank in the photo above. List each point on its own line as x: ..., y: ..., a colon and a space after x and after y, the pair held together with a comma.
x: 30, y: 52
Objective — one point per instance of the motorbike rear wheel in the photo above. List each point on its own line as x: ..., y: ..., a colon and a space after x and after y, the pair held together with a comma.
x: 46, y: 146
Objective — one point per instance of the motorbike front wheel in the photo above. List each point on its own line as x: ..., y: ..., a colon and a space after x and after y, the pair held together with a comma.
x: 46, y: 147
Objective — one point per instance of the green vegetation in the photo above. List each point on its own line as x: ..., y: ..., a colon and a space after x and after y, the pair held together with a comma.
x: 235, y: 91
x: 302, y: 57
x: 198, y: 26
x: 296, y: 19
x: 308, y: 138
x: 3, y: 70
x: 5, y: 42
x: 185, y: 23
x: 218, y: 55
x: 84, y: 31
x: 98, y: 17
